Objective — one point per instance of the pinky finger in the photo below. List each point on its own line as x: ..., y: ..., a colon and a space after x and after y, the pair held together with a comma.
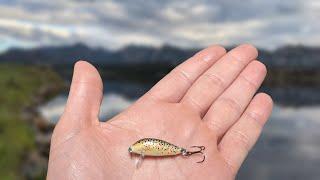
x: 241, y: 137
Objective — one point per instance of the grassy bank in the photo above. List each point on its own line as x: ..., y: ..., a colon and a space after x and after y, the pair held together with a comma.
x: 19, y: 86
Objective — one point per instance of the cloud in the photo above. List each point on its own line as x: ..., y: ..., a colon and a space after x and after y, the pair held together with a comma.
x: 189, y: 23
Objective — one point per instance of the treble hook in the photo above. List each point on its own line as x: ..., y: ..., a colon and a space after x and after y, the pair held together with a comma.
x: 189, y: 153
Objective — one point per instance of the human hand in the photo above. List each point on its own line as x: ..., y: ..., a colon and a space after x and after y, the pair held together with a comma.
x: 208, y: 100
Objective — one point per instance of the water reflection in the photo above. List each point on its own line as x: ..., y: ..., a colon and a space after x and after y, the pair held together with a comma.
x: 111, y: 105
x: 289, y: 147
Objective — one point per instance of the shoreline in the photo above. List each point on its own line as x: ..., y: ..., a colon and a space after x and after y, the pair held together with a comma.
x: 35, y: 161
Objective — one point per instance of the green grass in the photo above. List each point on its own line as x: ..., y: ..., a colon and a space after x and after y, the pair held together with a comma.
x: 18, y: 85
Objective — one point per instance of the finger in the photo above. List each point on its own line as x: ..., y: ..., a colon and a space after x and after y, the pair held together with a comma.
x: 241, y: 137
x: 173, y: 86
x: 228, y: 107
x: 82, y: 108
x: 216, y: 79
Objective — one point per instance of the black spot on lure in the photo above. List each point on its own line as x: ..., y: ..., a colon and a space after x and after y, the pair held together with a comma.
x: 159, y: 148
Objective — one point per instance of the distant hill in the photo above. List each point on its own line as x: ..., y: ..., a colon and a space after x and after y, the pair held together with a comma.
x: 295, y: 57
x: 70, y: 54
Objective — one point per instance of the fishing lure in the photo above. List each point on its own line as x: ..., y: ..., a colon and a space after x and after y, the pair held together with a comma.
x: 157, y: 147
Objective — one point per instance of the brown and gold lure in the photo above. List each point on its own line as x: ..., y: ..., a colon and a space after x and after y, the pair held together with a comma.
x: 159, y: 148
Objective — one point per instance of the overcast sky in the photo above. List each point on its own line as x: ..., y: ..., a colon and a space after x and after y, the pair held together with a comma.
x: 188, y: 23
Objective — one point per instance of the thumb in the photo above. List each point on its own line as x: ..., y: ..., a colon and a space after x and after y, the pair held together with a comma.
x: 85, y: 94
x: 83, y: 104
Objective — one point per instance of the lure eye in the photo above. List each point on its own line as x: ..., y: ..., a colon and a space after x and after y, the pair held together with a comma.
x: 184, y: 152
x: 130, y: 150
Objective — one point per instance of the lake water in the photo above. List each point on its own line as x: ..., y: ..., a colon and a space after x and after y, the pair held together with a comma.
x: 289, y: 147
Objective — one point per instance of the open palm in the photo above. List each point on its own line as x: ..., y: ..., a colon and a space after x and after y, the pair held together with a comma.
x: 208, y: 100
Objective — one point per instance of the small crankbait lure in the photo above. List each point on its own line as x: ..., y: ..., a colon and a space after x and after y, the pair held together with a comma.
x: 157, y: 147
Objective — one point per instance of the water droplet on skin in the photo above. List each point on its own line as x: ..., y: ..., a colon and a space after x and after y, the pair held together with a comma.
x: 208, y: 57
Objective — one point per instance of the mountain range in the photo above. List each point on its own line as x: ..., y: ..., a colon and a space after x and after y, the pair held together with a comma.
x: 292, y: 57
